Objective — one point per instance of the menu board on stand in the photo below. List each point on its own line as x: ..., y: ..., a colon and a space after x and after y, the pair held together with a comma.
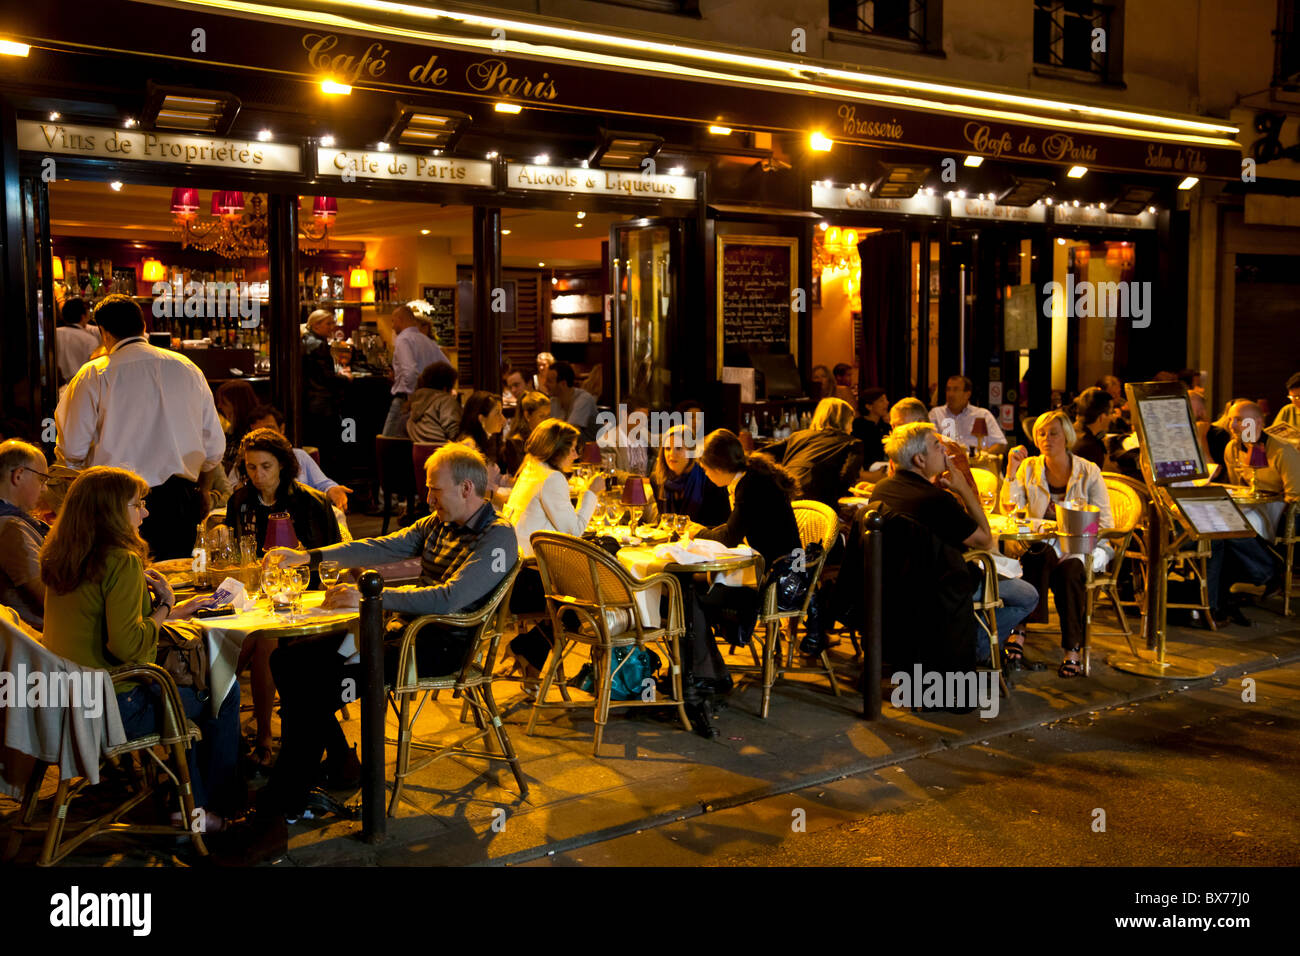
x: 756, y: 297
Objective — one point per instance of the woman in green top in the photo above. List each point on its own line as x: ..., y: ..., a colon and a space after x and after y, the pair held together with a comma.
x: 103, y: 609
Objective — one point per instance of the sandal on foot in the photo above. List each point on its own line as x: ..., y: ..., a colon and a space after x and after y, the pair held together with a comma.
x: 1013, y: 654
x: 260, y: 760
x: 1070, y: 668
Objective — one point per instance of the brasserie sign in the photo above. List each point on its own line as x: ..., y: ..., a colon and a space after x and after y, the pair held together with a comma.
x: 101, y: 142
x: 363, y: 164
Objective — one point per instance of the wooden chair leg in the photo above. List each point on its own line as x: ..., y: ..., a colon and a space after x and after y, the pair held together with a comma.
x: 548, y: 676
x: 181, y: 768
x: 675, y: 670
x: 53, y: 835
x: 502, y: 736
x: 772, y: 635
x: 403, y: 752
x: 830, y: 672
x: 26, y: 810
x: 604, y: 685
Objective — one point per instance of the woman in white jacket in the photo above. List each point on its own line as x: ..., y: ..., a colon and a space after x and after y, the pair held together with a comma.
x: 539, y: 501
x: 1039, y: 483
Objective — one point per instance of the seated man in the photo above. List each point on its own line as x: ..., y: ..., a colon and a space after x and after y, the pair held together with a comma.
x: 964, y: 416
x: 1249, y: 559
x: 23, y: 474
x: 922, y: 472
x: 570, y: 403
x: 1289, y: 414
x: 466, y: 550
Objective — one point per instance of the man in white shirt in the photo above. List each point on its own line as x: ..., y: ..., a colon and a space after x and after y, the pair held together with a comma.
x: 73, y: 340
x: 413, y: 352
x: 963, y: 416
x: 151, y: 411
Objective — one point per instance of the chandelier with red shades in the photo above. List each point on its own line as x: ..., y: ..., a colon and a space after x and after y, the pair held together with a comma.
x: 238, y: 230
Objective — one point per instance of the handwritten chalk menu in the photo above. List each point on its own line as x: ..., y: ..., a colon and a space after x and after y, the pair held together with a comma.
x: 443, y: 300
x: 756, y: 279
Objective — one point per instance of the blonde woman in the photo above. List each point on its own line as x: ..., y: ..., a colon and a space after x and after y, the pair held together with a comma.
x: 1037, y: 484
x: 825, y: 458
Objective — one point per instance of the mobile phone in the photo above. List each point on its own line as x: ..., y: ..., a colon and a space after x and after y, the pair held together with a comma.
x: 221, y: 610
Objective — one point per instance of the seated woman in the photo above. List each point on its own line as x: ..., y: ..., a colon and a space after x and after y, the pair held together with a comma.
x: 533, y: 409
x: 481, y: 425
x: 103, y: 609
x: 269, y: 467
x: 1037, y: 484
x: 435, y: 409
x: 680, y: 485
x: 540, y: 501
x: 760, y: 491
x: 1092, y: 419
x: 824, y: 458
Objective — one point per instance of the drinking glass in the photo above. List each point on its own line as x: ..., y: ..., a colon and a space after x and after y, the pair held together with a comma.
x: 329, y: 574
x: 301, y: 576
x: 272, y: 580
x: 667, y: 523
x: 292, y: 587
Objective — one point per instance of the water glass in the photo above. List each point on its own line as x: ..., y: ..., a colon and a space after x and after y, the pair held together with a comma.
x: 682, y: 522
x: 301, y: 578
x: 329, y: 574
x: 272, y: 580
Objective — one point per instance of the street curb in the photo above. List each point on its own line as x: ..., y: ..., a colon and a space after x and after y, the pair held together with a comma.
x: 1173, y: 685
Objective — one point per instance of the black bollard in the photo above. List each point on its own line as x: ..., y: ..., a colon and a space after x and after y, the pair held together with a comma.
x: 374, y: 820
x: 873, y: 546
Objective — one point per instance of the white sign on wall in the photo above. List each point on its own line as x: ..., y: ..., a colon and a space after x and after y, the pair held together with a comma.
x: 1083, y: 216
x: 411, y: 167
x: 975, y: 208
x: 837, y: 197
x: 103, y: 142
x: 604, y: 182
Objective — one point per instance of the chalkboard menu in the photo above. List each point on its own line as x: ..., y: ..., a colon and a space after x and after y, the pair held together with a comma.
x: 756, y: 279
x: 443, y: 300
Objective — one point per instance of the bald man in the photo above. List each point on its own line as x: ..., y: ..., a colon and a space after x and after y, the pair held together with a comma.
x: 413, y: 352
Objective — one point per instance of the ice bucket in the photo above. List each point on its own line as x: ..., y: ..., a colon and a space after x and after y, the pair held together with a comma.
x: 1077, y: 526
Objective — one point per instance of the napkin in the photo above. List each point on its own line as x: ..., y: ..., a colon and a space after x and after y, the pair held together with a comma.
x: 232, y: 591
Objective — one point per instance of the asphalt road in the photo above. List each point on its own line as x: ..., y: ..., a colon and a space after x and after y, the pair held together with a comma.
x: 1194, y: 778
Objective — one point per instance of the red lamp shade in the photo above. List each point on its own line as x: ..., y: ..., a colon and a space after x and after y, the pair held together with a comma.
x: 228, y: 204
x: 1258, y: 455
x: 325, y: 209
x: 634, y: 491
x: 979, y: 428
x: 185, y: 202
x: 591, y: 453
x: 279, y: 532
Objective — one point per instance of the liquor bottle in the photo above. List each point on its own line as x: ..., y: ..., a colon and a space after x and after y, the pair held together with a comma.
x: 751, y: 423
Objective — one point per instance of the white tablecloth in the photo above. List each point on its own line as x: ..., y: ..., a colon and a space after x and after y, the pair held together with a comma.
x: 226, y: 636
x: 645, y: 561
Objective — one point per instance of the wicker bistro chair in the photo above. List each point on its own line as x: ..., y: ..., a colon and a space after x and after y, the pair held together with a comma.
x: 1127, y: 510
x: 473, y: 682
x: 1135, y: 552
x: 818, y: 524
x: 176, y: 736
x: 592, y: 601
x: 986, y: 614
x: 987, y: 483
x: 1287, y: 539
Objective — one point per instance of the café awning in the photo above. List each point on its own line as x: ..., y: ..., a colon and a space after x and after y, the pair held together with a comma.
x: 534, y: 63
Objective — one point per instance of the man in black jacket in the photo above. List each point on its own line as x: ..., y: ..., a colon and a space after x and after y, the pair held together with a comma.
x: 323, y: 389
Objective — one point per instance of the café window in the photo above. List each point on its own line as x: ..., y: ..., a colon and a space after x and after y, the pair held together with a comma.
x: 1080, y: 36
x: 910, y: 21
x: 1286, y: 51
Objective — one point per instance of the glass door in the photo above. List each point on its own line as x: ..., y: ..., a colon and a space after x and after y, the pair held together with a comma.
x: 645, y: 268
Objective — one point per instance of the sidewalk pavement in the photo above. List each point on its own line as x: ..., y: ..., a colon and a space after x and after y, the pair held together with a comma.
x: 650, y: 772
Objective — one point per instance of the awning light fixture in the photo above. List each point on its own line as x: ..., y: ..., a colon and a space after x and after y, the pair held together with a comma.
x: 11, y: 48
x: 819, y: 142
x: 624, y: 150
x: 508, y: 108
x: 335, y: 88
x: 720, y: 130
x: 1077, y: 172
x: 1189, y: 182
x: 425, y: 126
x: 899, y: 180
x: 974, y: 162
x: 1025, y: 192
x: 188, y: 110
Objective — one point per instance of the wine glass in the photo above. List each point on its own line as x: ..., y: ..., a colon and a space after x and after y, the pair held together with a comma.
x: 291, y: 586
x: 301, y: 581
x: 272, y: 581
x: 329, y: 574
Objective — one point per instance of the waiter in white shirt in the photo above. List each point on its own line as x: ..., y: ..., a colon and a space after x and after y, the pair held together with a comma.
x: 963, y: 416
x: 151, y: 411
x: 413, y: 352
x: 74, y: 341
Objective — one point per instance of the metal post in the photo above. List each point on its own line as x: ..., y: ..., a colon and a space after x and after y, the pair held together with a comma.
x: 374, y: 821
x: 873, y: 545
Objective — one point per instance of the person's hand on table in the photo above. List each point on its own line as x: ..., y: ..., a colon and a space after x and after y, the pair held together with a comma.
x: 341, y: 595
x: 692, y: 529
x: 338, y: 496
x: 596, y: 484
x: 284, y: 558
x: 187, y: 608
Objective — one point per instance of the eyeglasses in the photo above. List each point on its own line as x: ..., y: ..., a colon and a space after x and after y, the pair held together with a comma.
x: 45, y: 478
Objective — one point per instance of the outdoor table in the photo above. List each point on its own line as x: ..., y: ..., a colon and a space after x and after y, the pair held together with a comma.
x: 1263, y: 509
x: 226, y: 635
x: 1004, y: 526
x: 640, y: 560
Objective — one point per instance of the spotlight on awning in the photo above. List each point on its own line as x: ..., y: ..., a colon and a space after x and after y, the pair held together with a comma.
x: 898, y: 181
x: 190, y: 110
x: 624, y: 150
x: 974, y: 162
x: 1189, y: 182
x: 1132, y: 200
x: 1024, y: 192
x: 426, y: 127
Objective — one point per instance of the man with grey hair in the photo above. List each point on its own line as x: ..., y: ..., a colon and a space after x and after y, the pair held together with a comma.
x: 923, y: 477
x: 413, y: 352
x: 907, y: 411
x: 322, y: 387
x: 465, y: 548
x: 23, y: 474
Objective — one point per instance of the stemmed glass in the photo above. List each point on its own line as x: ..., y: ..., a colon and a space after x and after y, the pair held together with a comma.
x: 329, y: 574
x: 296, y: 581
x: 681, y: 523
